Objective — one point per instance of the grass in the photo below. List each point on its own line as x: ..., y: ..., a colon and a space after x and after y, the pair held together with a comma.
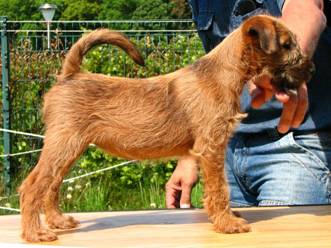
x: 103, y: 194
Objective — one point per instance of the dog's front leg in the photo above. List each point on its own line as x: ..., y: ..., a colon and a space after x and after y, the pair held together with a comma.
x: 216, y: 195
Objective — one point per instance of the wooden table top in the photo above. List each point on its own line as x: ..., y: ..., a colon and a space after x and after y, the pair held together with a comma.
x: 281, y: 227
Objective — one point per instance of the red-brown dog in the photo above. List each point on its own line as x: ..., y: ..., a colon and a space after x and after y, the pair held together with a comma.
x: 191, y: 111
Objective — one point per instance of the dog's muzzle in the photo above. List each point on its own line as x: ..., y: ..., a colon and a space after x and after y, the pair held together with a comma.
x: 290, y: 78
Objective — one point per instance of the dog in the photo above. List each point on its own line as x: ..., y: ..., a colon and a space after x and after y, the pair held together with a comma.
x: 192, y: 111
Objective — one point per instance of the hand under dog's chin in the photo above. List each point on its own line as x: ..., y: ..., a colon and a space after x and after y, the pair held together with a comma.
x: 283, y: 86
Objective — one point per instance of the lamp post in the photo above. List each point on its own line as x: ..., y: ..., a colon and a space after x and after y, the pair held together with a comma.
x: 48, y: 11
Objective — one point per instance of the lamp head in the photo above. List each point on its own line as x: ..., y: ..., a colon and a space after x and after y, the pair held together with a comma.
x: 48, y: 11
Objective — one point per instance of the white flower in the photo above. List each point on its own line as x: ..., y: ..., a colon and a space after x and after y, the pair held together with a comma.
x: 78, y: 186
x: 7, y: 205
x: 70, y: 189
x: 69, y: 196
x: 153, y: 205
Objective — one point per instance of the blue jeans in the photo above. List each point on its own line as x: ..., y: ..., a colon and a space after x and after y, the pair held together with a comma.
x: 268, y: 169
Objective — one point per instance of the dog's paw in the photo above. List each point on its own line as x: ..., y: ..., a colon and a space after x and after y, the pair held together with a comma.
x: 62, y: 222
x: 231, y: 224
x: 41, y: 235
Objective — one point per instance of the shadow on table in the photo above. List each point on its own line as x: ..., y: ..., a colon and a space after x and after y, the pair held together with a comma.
x: 178, y: 217
x: 154, y: 217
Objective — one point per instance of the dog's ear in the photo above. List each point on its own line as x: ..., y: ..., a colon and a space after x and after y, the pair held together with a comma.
x: 261, y: 31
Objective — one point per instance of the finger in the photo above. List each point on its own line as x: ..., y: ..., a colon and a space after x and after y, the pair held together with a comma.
x: 282, y: 97
x: 185, y: 200
x: 170, y: 202
x: 287, y: 116
x: 302, y: 106
x: 260, y: 96
x: 257, y: 97
x: 260, y: 90
x: 268, y: 94
x: 172, y: 196
x: 263, y: 81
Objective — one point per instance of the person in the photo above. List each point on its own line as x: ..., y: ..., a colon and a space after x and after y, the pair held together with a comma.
x: 281, y: 153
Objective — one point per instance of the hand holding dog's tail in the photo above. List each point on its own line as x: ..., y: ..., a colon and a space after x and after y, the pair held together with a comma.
x: 75, y: 55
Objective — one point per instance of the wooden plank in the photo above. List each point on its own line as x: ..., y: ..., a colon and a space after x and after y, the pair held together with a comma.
x: 272, y: 227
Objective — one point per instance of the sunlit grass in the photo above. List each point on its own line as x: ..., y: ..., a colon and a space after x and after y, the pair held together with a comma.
x: 101, y: 194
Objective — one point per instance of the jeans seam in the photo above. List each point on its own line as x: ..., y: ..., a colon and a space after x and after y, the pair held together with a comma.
x: 241, y: 204
x: 274, y: 203
x: 311, y: 155
x: 328, y: 188
x: 242, y: 173
x: 240, y: 151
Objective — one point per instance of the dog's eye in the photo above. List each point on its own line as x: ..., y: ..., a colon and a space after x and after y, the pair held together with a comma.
x: 287, y: 45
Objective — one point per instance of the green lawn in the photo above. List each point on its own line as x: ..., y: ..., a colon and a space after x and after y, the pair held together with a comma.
x: 104, y: 192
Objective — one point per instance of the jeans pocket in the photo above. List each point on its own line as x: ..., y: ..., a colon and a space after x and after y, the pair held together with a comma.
x: 310, y: 152
x: 244, y: 9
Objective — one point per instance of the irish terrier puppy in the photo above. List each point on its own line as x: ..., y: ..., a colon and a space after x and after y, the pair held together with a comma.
x: 191, y: 111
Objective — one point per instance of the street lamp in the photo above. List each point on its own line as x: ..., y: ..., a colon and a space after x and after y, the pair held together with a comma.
x: 48, y: 11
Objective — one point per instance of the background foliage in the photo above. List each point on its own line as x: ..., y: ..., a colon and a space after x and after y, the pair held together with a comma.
x: 138, y: 185
x: 33, y: 71
x: 97, y: 9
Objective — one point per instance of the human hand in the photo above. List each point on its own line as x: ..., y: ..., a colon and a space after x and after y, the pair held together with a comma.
x: 180, y: 184
x: 294, y: 105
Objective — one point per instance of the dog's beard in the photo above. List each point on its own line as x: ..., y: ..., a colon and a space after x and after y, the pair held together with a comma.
x: 288, y: 81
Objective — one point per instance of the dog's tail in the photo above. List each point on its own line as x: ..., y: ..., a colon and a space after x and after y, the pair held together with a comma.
x: 75, y: 55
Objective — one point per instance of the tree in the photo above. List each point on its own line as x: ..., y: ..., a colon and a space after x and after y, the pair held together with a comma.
x: 118, y: 9
x: 153, y: 9
x: 181, y: 9
x: 81, y: 10
x: 19, y: 10
x: 97, y: 9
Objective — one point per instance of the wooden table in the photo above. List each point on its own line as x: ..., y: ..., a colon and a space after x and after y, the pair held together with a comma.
x: 286, y: 227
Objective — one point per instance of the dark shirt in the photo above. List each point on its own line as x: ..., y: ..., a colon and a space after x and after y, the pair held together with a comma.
x: 215, y: 19
x: 327, y: 11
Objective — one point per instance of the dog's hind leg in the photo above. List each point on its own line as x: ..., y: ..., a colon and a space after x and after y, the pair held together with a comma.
x: 216, y: 195
x: 40, y: 189
x: 54, y: 216
x: 31, y: 189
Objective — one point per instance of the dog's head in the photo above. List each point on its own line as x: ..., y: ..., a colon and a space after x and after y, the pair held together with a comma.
x: 275, y: 50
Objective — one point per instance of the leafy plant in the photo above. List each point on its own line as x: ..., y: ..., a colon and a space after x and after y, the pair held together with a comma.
x: 33, y: 72
x: 97, y: 9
